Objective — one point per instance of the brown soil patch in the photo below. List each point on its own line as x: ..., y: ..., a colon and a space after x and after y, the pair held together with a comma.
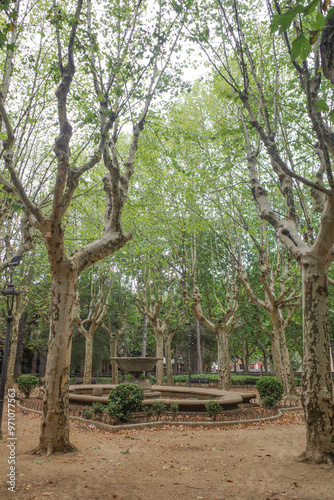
x: 253, y: 461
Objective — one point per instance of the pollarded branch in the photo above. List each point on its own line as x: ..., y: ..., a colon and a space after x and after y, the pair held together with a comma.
x: 243, y: 277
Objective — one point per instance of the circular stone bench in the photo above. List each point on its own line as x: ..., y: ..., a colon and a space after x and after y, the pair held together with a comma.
x: 188, y: 399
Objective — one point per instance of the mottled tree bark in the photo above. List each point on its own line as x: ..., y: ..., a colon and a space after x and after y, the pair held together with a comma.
x: 144, y: 337
x: 34, y: 361
x: 317, y: 393
x: 169, y: 365
x: 224, y: 372
x: 281, y: 354
x: 113, y: 354
x: 159, y: 354
x: 198, y: 343
x: 54, y: 433
x: 13, y: 344
x: 273, y: 304
x: 315, y: 256
x: 327, y: 50
x: 89, y: 340
x: 276, y: 357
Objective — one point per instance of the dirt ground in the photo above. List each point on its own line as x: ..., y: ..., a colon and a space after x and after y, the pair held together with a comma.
x: 245, y: 462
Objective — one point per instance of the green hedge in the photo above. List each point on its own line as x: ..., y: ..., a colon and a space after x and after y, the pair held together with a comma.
x: 183, y: 378
x: 124, y: 400
x: 26, y: 384
x: 271, y: 391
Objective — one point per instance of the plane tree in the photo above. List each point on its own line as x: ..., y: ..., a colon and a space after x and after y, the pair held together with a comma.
x: 159, y: 300
x: 298, y: 156
x: 98, y: 303
x: 97, y: 72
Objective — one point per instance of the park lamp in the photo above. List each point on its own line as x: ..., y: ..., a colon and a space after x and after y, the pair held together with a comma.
x: 10, y: 293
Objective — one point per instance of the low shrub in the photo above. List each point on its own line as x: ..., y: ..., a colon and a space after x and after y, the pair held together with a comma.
x: 174, y: 408
x: 98, y: 409
x: 87, y: 412
x: 148, y: 411
x: 181, y: 379
x: 271, y: 391
x: 184, y: 378
x: 104, y: 380
x: 128, y: 376
x: 213, y: 408
x: 26, y: 383
x: 124, y: 400
x: 242, y: 379
x: 158, y: 408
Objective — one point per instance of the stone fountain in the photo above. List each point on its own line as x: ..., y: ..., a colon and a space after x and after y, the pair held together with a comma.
x: 136, y: 366
x: 189, y: 399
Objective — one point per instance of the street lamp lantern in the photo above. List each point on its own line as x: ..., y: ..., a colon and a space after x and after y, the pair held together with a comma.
x: 189, y: 336
x: 10, y: 293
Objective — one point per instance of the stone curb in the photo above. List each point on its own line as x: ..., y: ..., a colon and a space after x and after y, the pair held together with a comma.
x: 144, y: 425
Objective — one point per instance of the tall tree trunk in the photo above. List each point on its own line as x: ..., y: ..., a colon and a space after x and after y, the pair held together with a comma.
x: 169, y: 365
x: 54, y: 434
x: 265, y: 362
x: 224, y: 373
x: 199, y: 350
x: 13, y: 349
x: 113, y: 354
x: 144, y: 337
x: 285, y: 374
x: 42, y: 365
x: 245, y: 358
x: 34, y: 361
x: 81, y: 367
x: 160, y: 363
x: 19, y: 349
x: 265, y: 353
x: 89, y: 340
x: 276, y: 357
x: 317, y: 394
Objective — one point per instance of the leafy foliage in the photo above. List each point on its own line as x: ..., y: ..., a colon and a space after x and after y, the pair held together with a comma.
x: 87, y: 412
x: 98, y: 410
x: 174, y: 408
x: 213, y: 408
x: 124, y: 400
x: 301, y: 46
x: 271, y: 391
x: 158, y: 408
x: 26, y: 383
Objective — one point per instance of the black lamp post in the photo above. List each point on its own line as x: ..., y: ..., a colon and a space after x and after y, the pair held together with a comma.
x: 10, y: 292
x: 189, y: 336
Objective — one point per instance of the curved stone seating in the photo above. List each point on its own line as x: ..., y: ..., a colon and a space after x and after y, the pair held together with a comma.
x: 188, y: 398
